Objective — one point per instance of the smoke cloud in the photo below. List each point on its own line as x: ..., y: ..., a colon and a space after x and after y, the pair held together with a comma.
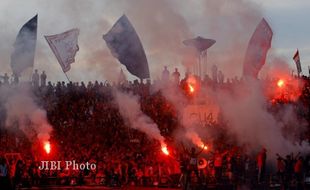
x: 24, y: 112
x: 254, y: 125
x: 231, y: 24
x: 130, y: 110
x: 161, y: 25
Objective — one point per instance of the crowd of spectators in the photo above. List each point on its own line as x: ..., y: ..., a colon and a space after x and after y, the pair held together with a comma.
x: 87, y: 127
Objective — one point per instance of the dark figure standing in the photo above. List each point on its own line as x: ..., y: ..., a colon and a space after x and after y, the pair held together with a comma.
x: 43, y: 79
x: 35, y: 79
x: 193, y: 164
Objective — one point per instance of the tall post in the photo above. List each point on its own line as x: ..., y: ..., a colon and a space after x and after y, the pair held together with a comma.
x: 199, y: 65
x: 205, y: 57
x: 201, y: 44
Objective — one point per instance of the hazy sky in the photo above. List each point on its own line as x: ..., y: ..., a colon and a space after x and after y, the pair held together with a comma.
x: 291, y: 26
x: 161, y: 25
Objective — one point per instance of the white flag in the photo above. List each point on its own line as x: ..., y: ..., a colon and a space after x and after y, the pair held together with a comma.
x: 64, y: 46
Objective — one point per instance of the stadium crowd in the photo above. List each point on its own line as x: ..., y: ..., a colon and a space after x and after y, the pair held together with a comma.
x: 87, y: 127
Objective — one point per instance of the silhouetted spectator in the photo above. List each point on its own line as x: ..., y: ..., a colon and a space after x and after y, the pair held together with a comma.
x: 43, y: 79
x: 176, y: 76
x: 165, y: 75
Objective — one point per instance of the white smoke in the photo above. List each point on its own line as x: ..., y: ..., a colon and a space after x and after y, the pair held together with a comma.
x: 190, y: 128
x: 249, y: 116
x: 246, y: 109
x: 130, y: 110
x: 31, y: 119
x: 162, y: 26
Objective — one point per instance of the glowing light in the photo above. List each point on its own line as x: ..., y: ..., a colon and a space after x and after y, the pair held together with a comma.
x: 191, y: 88
x: 165, y: 150
x: 280, y: 83
x: 205, y: 147
x: 47, y: 147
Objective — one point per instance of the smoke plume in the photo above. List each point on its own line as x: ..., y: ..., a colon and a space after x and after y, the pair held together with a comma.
x: 250, y: 120
x: 23, y: 111
x: 130, y: 110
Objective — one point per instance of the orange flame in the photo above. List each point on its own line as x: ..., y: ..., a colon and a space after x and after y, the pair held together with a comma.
x: 165, y: 150
x: 191, y: 88
x: 280, y: 83
x: 205, y: 147
x: 47, y: 147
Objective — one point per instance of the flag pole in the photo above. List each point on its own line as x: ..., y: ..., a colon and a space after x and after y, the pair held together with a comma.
x: 205, y: 57
x: 67, y: 77
x: 200, y: 66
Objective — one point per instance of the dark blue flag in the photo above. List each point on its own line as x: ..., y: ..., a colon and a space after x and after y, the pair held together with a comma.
x: 24, y: 47
x: 125, y: 45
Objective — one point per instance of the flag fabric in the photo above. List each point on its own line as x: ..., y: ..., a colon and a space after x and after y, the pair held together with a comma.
x: 24, y: 47
x: 64, y: 46
x: 257, y: 49
x: 121, y: 78
x: 125, y: 45
x: 296, y: 58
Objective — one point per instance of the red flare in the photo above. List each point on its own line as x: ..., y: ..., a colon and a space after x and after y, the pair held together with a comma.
x: 47, y: 147
x: 280, y: 83
x: 205, y: 147
x: 191, y: 88
x: 165, y: 150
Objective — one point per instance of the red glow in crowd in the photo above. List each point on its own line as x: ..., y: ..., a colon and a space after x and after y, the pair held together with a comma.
x: 47, y: 147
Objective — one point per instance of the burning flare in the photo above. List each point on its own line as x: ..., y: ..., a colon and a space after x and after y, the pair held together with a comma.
x: 194, y: 137
x: 205, y: 147
x: 47, y: 147
x: 164, y: 149
x: 280, y: 83
x: 191, y: 88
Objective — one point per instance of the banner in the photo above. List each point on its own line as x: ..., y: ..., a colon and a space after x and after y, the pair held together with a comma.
x: 64, y: 46
x: 258, y: 47
x: 125, y: 45
x: 24, y: 47
x: 122, y: 78
x: 296, y: 58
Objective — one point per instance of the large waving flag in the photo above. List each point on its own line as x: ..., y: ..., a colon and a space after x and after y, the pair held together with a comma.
x: 296, y: 58
x: 24, y: 47
x: 125, y: 45
x: 257, y: 49
x: 64, y: 46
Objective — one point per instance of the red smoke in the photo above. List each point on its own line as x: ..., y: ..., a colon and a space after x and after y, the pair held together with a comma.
x: 285, y: 89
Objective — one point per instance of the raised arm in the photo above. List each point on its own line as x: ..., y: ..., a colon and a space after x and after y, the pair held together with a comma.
x: 184, y: 149
x: 201, y: 150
